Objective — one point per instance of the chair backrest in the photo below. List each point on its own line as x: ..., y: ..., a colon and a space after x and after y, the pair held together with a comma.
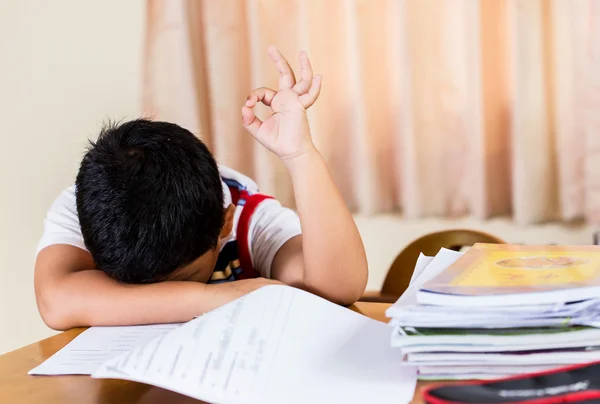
x: 400, y: 272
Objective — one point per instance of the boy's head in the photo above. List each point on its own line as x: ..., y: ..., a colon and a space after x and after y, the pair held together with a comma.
x: 150, y: 203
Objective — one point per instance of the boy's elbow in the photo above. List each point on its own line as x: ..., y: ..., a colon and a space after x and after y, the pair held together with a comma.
x: 351, y: 293
x: 355, y: 286
x: 343, y: 297
x: 54, y: 313
x: 344, y: 292
x: 55, y: 321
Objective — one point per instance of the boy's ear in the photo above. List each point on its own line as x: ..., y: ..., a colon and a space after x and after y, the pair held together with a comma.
x: 228, y: 224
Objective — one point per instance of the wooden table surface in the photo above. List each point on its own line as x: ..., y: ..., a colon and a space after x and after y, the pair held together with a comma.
x: 17, y: 387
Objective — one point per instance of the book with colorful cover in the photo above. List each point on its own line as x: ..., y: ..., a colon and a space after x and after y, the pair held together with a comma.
x: 487, y: 273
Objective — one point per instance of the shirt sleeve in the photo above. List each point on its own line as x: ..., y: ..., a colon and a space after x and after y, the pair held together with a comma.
x: 271, y: 226
x: 61, y: 225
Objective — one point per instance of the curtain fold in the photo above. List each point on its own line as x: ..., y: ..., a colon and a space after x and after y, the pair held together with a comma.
x: 429, y: 107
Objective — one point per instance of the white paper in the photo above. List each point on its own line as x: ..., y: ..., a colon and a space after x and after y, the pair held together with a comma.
x: 463, y: 376
x: 422, y: 262
x: 443, y: 259
x: 567, y: 357
x: 469, y: 348
x: 277, y: 344
x: 491, y: 370
x: 85, y: 354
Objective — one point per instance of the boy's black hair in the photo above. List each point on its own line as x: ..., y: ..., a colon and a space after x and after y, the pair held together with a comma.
x: 149, y: 200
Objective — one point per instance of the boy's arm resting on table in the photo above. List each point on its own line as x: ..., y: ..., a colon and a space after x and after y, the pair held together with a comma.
x: 70, y: 293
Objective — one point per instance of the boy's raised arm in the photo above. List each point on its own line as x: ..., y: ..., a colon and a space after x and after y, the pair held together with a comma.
x: 71, y: 293
x: 329, y: 258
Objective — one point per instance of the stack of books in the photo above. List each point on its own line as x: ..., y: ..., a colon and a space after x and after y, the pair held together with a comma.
x: 500, y: 310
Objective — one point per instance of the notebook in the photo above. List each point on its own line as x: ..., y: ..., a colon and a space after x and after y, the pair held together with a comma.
x: 503, y: 274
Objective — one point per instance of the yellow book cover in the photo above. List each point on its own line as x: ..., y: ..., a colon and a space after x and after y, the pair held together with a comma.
x: 488, y: 269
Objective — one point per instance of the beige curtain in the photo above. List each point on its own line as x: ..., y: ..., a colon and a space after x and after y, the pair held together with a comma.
x: 429, y: 107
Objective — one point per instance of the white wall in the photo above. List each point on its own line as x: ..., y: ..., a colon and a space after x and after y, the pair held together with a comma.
x: 65, y: 65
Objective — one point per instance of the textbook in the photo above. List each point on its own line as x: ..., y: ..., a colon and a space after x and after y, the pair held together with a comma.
x: 277, y: 344
x: 450, y: 341
x: 565, y: 356
x: 504, y: 336
x: 516, y: 275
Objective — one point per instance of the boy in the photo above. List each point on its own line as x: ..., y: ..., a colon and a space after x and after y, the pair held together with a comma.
x: 155, y: 232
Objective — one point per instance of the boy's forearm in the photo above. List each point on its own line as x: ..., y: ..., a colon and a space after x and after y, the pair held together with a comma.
x: 90, y: 298
x: 334, y: 255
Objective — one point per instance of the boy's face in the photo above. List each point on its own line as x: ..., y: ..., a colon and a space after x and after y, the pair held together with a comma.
x: 201, y: 269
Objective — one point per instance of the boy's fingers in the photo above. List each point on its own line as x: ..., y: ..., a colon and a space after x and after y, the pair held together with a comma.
x: 311, y: 96
x: 262, y: 94
x: 306, y: 74
x: 251, y: 101
x: 286, y: 74
x: 250, y: 120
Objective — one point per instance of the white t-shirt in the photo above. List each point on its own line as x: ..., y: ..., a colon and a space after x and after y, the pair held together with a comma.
x: 268, y: 227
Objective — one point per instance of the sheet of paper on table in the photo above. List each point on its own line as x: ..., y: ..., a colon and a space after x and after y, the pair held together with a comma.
x: 277, y: 344
x: 85, y: 354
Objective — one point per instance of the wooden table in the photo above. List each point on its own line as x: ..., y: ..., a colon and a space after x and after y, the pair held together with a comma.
x: 17, y: 387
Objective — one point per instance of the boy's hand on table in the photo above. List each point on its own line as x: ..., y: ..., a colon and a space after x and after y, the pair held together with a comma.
x: 223, y: 293
x: 286, y: 132
x: 218, y: 294
x: 245, y: 286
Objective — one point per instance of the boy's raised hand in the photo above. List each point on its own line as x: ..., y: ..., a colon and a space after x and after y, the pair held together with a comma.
x: 286, y: 133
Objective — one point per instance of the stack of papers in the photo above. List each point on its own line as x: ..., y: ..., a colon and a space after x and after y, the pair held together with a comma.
x: 275, y: 345
x: 499, y: 310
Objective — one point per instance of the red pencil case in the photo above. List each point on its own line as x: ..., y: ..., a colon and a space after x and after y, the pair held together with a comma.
x: 572, y: 384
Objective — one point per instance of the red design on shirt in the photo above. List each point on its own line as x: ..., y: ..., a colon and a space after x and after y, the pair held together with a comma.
x: 243, y: 228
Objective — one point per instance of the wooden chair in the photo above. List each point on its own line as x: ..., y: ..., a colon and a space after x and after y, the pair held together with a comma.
x: 399, y: 274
